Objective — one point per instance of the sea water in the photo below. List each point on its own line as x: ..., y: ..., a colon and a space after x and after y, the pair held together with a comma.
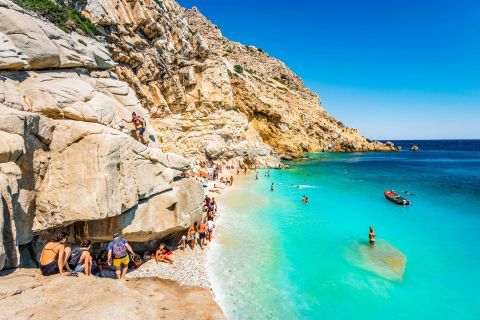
x: 278, y: 258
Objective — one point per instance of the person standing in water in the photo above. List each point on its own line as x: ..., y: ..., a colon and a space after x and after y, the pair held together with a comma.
x: 256, y: 176
x: 272, y: 187
x: 371, y: 237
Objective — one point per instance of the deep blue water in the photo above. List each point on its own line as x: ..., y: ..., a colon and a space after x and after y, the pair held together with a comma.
x: 277, y: 258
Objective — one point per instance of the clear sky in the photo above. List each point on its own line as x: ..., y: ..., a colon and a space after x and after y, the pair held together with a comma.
x: 394, y: 69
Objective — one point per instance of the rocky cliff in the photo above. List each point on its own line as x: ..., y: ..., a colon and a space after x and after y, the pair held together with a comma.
x: 211, y: 97
x: 66, y: 157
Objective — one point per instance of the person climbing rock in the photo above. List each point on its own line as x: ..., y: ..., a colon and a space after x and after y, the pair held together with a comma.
x: 140, y: 125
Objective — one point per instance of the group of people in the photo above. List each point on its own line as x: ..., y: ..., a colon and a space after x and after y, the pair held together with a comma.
x: 112, y: 262
x: 200, y: 233
x: 227, y: 181
x: 115, y: 260
x: 57, y: 258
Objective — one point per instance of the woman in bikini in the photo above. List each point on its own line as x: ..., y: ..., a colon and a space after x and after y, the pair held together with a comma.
x: 371, y: 237
x: 54, y: 256
x: 163, y: 254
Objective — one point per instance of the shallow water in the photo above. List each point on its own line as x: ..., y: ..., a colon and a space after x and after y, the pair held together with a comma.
x: 277, y: 258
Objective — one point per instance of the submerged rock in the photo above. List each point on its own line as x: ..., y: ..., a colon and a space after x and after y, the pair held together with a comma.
x: 383, y: 259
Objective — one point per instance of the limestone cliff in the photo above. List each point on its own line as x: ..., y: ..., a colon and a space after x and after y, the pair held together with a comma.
x: 66, y: 156
x: 183, y: 70
x: 286, y: 114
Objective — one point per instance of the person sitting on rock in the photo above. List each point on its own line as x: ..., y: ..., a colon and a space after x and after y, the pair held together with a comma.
x: 80, y: 258
x: 54, y: 256
x: 163, y: 254
x: 140, y: 125
x: 118, y: 248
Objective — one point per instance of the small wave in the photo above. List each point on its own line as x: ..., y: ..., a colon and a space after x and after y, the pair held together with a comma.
x: 306, y: 186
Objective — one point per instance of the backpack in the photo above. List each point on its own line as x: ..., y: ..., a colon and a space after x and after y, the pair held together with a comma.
x: 75, y: 257
x: 119, y: 249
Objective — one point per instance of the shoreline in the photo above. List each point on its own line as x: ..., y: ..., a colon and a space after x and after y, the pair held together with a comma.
x: 193, y: 268
x: 215, y: 245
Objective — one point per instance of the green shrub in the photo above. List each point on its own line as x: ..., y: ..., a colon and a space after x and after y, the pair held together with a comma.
x: 238, y: 68
x: 64, y: 18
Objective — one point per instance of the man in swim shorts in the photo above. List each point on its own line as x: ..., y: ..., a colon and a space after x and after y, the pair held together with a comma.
x: 140, y: 125
x: 118, y: 248
x: 202, y: 232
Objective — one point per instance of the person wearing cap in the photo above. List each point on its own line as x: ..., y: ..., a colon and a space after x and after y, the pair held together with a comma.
x: 118, y: 248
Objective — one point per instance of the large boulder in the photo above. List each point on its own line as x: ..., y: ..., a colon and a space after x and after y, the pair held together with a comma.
x: 55, y: 173
x: 29, y: 43
x: 74, y: 94
x: 158, y: 216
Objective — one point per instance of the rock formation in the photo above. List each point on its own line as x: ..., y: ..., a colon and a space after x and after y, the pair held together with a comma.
x: 67, y: 159
x: 183, y: 71
x: 25, y: 294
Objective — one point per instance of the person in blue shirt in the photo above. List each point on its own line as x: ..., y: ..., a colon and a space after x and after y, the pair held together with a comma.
x: 117, y: 249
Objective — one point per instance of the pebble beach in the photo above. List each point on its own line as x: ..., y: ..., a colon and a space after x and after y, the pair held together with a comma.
x: 188, y: 269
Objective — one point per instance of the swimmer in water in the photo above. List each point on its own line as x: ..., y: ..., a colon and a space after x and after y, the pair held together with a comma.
x: 306, y: 200
x: 371, y: 237
x: 271, y: 187
x: 303, y: 199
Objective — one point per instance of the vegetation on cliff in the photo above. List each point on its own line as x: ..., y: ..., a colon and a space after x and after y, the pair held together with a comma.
x: 64, y: 18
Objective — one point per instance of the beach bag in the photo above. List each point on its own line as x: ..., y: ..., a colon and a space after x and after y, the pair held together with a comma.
x: 135, y: 262
x: 119, y: 249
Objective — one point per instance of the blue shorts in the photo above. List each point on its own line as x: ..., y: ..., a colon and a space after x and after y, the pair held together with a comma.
x: 141, y: 130
x: 79, y: 268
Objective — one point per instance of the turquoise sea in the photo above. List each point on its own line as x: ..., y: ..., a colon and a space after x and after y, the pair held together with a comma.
x: 278, y: 258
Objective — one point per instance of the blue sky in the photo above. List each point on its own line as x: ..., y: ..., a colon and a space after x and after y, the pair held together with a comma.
x: 392, y: 69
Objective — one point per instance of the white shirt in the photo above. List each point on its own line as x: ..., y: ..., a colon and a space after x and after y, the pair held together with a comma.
x: 210, y: 225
